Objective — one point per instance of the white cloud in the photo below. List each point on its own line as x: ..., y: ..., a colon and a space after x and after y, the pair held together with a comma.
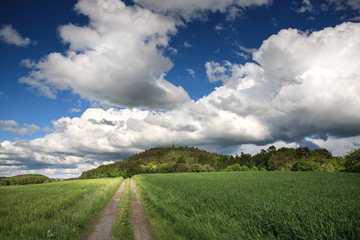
x: 217, y: 72
x: 10, y: 36
x: 116, y: 59
x: 219, y: 27
x: 13, y: 126
x: 187, y: 44
x: 74, y: 110
x: 247, y: 50
x: 306, y: 7
x: 8, y: 123
x: 244, y: 51
x: 189, y: 9
x: 28, y: 129
x: 302, y: 87
x: 343, y: 4
x: 191, y: 72
x: 304, y: 83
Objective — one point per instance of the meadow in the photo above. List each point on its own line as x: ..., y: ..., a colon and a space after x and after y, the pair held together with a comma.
x: 58, y: 210
x: 252, y: 205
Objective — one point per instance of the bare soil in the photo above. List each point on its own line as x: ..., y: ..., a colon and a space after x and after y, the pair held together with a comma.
x: 143, y: 230
x: 105, y: 220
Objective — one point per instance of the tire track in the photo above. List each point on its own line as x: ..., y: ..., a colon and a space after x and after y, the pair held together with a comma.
x: 143, y: 230
x: 107, y: 217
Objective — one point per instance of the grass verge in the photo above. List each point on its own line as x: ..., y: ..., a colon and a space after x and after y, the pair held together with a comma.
x: 123, y: 228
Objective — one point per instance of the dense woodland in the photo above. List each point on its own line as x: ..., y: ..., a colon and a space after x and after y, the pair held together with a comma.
x: 24, y: 179
x: 190, y: 159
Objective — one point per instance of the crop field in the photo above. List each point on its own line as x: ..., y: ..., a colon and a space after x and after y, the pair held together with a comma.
x: 253, y: 205
x: 58, y: 210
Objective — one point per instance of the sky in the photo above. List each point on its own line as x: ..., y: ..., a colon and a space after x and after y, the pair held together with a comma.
x: 89, y: 82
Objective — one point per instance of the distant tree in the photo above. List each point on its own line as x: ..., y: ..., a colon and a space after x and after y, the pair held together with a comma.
x: 352, y: 161
x: 271, y: 149
x: 181, y: 159
x: 283, y: 158
x: 323, y: 152
x: 302, y: 153
x: 167, y: 168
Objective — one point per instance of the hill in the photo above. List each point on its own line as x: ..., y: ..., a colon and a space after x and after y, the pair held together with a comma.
x: 190, y: 159
x: 160, y: 159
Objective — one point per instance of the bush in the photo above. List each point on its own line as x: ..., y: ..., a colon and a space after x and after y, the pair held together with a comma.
x: 303, y: 165
x: 167, y: 168
x: 182, y: 167
x: 254, y: 168
x: 236, y: 168
x: 208, y: 168
x: 196, y: 168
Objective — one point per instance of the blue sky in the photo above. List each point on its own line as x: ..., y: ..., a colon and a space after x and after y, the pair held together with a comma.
x: 89, y: 82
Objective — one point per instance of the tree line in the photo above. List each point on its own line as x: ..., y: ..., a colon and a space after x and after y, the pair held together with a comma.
x: 24, y: 179
x: 191, y: 159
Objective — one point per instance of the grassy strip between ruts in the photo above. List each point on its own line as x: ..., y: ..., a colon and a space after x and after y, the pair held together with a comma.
x: 123, y: 228
x: 58, y: 210
x: 252, y: 205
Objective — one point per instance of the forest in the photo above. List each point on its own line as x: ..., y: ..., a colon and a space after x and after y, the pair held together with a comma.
x: 191, y: 159
x: 24, y: 179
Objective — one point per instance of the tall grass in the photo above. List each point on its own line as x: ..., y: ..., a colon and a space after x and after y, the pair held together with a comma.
x: 253, y: 205
x: 58, y: 210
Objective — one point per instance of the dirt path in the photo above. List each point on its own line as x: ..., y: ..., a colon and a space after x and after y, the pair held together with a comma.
x: 107, y: 218
x: 143, y: 230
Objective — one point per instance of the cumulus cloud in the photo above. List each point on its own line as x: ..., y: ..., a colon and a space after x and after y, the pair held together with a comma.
x: 8, y: 123
x: 100, y: 136
x: 13, y: 126
x: 303, y: 84
x: 189, y: 9
x: 302, y: 88
x: 117, y: 59
x: 10, y: 36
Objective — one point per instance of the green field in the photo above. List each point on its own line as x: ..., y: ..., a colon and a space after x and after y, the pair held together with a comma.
x: 58, y: 210
x: 253, y: 205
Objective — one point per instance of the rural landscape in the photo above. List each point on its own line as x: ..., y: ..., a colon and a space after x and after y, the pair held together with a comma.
x: 180, y: 120
x: 189, y: 193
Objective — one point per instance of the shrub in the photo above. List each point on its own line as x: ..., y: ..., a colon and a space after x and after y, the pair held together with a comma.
x: 254, y: 168
x: 182, y: 167
x: 303, y: 165
x: 236, y: 167
x: 196, y: 168
x: 208, y: 168
x: 167, y: 168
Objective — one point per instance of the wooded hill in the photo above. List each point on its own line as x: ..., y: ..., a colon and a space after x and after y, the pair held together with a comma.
x: 190, y: 159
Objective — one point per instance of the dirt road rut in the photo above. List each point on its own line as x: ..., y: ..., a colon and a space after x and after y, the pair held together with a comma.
x: 143, y: 230
x: 107, y: 218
